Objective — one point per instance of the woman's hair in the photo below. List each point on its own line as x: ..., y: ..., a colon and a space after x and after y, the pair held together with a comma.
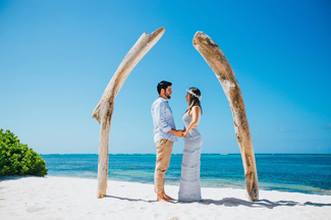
x: 195, y: 97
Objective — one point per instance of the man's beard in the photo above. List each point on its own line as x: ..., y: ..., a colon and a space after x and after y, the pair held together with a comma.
x: 168, y: 96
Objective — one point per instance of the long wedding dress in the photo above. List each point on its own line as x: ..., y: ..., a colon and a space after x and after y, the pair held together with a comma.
x: 189, y: 187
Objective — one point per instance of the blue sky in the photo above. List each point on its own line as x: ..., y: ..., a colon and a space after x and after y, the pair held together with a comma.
x: 56, y: 58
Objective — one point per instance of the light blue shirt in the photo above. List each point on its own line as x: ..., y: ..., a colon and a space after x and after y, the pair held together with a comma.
x: 163, y: 120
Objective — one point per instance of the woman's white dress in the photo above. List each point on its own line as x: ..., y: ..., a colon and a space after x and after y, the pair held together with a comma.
x: 189, y: 187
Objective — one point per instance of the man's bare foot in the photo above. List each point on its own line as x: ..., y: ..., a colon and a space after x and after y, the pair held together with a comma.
x: 168, y: 197
x: 161, y: 196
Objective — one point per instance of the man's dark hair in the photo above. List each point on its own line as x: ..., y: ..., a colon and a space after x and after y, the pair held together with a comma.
x: 163, y: 85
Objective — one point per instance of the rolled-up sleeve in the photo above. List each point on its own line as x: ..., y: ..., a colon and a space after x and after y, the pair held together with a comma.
x: 164, y: 125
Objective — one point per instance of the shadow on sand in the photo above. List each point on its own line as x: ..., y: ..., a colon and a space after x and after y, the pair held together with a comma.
x: 129, y: 199
x: 233, y: 202
x: 230, y: 202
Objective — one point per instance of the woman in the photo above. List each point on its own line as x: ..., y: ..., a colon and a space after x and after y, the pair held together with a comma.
x: 189, y: 188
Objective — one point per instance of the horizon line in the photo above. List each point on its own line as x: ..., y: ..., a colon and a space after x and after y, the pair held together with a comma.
x: 182, y: 153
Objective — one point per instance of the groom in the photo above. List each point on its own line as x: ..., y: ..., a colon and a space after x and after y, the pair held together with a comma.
x: 164, y: 136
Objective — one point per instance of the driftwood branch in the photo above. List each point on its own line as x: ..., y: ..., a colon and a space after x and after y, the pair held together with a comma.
x: 223, y: 71
x: 104, y: 109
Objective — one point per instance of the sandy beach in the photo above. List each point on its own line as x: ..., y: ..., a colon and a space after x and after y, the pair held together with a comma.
x: 75, y: 198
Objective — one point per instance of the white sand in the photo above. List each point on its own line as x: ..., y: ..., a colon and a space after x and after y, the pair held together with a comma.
x: 75, y: 198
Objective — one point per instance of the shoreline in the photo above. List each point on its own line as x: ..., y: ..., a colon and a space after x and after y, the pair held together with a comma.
x: 284, y: 172
x: 54, y: 197
x: 316, y: 191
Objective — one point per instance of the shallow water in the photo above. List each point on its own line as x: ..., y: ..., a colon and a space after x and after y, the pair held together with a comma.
x: 308, y: 173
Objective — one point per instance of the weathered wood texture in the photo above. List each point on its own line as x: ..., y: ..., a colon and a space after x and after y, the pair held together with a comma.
x: 104, y: 109
x: 223, y: 71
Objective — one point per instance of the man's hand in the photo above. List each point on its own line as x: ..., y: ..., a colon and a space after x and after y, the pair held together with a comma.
x: 177, y: 133
x: 180, y: 133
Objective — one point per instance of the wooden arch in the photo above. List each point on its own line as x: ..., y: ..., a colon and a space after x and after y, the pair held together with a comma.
x: 217, y: 61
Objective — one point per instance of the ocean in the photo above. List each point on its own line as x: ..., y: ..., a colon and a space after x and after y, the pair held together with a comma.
x: 307, y: 173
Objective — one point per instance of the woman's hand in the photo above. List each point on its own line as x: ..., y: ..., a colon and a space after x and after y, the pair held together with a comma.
x: 178, y: 133
x: 181, y: 133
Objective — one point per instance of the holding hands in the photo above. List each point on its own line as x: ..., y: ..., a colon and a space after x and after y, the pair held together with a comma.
x: 181, y: 133
x: 178, y: 133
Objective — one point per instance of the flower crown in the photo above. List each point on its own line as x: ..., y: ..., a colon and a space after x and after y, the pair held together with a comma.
x: 195, y: 95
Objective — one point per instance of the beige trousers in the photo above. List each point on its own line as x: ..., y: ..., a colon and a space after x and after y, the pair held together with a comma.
x: 163, y: 155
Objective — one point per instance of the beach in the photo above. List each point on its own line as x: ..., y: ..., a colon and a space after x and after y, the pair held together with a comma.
x: 54, y: 197
x: 107, y: 98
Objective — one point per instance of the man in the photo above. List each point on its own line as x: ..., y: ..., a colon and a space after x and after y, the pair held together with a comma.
x: 164, y: 136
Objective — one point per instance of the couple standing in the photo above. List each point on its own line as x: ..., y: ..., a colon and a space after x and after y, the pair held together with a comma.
x: 165, y: 134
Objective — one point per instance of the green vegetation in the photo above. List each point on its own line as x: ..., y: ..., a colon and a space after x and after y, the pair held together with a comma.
x: 17, y: 158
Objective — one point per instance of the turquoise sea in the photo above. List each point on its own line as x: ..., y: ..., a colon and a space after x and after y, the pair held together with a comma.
x: 308, y: 173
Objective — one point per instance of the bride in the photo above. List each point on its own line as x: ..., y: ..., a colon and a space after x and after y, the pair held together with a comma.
x: 189, y: 187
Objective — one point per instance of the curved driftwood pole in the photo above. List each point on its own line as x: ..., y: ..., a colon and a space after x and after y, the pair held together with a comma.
x: 104, y: 109
x: 222, y: 69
